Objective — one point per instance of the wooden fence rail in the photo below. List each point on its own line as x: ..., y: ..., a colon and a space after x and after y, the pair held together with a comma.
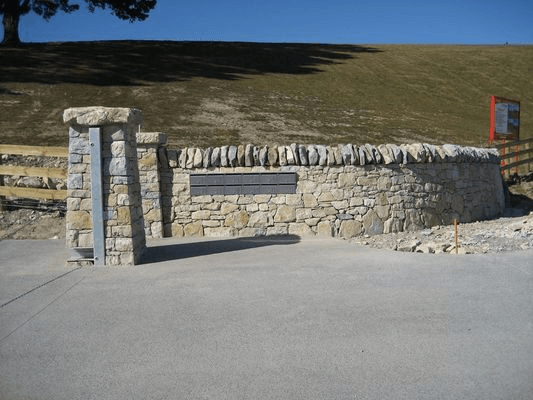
x: 520, y: 151
x: 33, y: 193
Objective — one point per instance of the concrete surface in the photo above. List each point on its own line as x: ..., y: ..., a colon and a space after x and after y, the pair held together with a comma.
x: 265, y: 319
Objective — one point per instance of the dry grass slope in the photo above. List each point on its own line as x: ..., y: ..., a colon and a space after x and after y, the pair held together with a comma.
x: 207, y: 93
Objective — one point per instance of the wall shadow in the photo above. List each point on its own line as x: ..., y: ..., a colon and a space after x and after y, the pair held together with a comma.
x: 140, y: 62
x: 179, y: 251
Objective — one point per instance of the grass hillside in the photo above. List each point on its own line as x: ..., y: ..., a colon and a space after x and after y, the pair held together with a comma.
x: 214, y: 93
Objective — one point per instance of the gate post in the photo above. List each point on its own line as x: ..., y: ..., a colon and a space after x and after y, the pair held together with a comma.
x: 118, y: 212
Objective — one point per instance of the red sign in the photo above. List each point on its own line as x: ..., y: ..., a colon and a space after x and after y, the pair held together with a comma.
x: 504, y: 119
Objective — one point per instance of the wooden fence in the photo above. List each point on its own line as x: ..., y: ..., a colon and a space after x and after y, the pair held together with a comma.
x: 517, y: 156
x: 33, y: 193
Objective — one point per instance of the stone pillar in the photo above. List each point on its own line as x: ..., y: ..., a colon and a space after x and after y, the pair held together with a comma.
x: 124, y: 239
x: 148, y: 146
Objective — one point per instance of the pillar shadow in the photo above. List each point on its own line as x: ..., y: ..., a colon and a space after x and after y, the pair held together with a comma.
x: 179, y: 251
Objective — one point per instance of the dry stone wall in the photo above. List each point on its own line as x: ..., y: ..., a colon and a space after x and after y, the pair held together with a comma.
x: 341, y: 190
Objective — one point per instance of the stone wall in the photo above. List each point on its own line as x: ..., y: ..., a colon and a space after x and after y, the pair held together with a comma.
x: 341, y: 190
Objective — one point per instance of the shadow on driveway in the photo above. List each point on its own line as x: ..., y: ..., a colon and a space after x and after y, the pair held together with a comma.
x: 161, y: 253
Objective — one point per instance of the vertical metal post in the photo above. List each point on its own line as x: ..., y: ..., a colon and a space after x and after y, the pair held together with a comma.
x: 95, y: 139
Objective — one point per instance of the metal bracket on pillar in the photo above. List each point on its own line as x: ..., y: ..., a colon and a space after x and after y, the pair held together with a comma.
x: 95, y: 139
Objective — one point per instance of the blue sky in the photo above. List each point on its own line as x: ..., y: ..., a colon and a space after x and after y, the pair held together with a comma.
x: 325, y: 21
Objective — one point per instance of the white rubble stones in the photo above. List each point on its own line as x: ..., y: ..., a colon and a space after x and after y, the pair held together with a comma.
x: 491, y: 236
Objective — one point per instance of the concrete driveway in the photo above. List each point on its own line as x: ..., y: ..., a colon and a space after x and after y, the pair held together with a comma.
x: 265, y: 318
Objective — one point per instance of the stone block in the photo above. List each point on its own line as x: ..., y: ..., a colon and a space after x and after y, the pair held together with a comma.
x: 121, y: 231
x: 73, y: 204
x: 303, y: 214
x: 124, y: 244
x: 294, y: 200
x: 177, y: 230
x: 237, y: 220
x: 78, y: 220
x: 272, y: 156
x: 291, y: 159
x: 75, y: 181
x: 281, y: 229
x: 347, y: 180
x: 325, y: 229
x: 372, y: 224
x: 85, y: 240
x: 215, y: 157
x: 124, y: 215
x: 201, y: 214
x: 309, y: 200
x: 312, y: 155
x: 285, y: 214
x: 413, y: 221
x: 194, y: 229
x: 258, y: 219
x: 350, y: 228
x: 249, y: 155
x: 325, y: 197
x: 393, y: 225
x: 302, y: 154
x: 252, y: 232
x: 222, y: 231
x: 300, y: 229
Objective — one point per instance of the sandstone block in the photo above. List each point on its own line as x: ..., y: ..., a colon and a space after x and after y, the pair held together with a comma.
x: 303, y: 214
x: 190, y: 157
x: 350, y: 229
x: 325, y: 228
x: 193, y: 229
x: 249, y: 155
x: 215, y: 157
x: 78, y: 220
x: 293, y: 199
x: 177, y: 230
x: 252, y: 232
x: 100, y: 116
x: 198, y: 159
x: 223, y: 231
x: 232, y: 156
x: 285, y: 214
x: 263, y: 156
x: 348, y: 180
x: 201, y: 214
x: 300, y: 229
x: 272, y: 156
x: 322, y: 155
x: 302, y: 153
x: 291, y: 159
x: 393, y: 225
x: 309, y: 200
x: 296, y: 153
x: 280, y: 229
x: 237, y: 220
x: 372, y: 224
x: 312, y: 155
x: 258, y: 220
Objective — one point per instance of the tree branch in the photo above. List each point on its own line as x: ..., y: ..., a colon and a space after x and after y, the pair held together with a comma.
x: 25, y: 7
